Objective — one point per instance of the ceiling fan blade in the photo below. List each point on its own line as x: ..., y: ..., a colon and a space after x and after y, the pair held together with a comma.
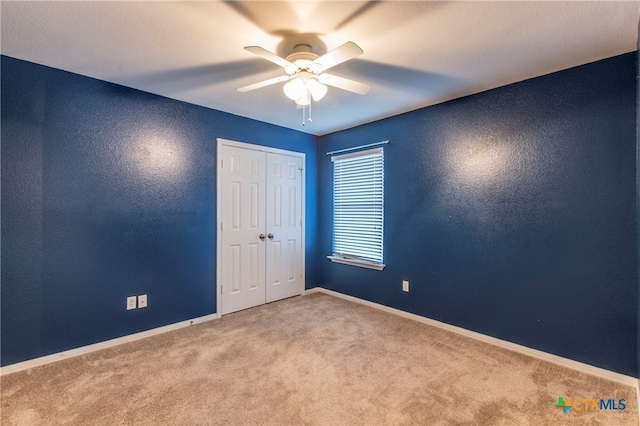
x: 340, y: 54
x: 265, y: 83
x: 265, y: 54
x: 344, y: 83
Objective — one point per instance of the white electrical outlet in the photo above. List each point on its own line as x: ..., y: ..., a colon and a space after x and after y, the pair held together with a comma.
x: 142, y: 301
x: 405, y: 285
x: 131, y: 302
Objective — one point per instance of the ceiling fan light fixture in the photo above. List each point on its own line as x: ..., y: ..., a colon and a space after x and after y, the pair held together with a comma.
x: 303, y: 88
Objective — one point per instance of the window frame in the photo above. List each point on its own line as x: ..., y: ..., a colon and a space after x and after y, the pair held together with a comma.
x: 358, y: 259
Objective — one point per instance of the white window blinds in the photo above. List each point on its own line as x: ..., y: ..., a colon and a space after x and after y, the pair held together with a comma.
x: 358, y: 205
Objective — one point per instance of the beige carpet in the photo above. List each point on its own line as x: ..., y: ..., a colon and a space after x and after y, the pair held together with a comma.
x: 315, y: 360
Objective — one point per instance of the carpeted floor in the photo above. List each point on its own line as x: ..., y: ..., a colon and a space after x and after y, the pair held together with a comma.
x: 314, y: 360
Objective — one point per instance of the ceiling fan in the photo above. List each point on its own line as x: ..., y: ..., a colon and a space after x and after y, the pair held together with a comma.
x: 305, y: 72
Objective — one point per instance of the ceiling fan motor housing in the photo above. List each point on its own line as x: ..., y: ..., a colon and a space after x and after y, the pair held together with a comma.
x: 302, y: 56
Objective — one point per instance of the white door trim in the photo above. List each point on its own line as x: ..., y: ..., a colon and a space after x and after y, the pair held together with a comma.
x: 222, y: 142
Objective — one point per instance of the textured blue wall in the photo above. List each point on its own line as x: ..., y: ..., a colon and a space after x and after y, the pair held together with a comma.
x: 109, y: 192
x: 512, y: 213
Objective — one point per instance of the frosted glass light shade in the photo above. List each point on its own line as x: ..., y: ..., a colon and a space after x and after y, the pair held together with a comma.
x: 294, y: 89
x: 304, y: 98
x: 318, y: 90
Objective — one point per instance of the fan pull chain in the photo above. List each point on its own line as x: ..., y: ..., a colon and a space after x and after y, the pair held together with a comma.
x: 304, y: 114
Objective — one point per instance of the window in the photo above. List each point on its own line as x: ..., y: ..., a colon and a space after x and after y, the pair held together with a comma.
x: 358, y: 208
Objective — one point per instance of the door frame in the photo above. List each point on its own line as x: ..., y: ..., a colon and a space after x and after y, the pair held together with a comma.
x: 302, y: 156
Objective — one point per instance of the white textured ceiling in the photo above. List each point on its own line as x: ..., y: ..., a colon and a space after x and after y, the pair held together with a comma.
x: 415, y: 53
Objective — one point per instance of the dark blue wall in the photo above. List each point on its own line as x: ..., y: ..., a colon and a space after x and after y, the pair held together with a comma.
x: 109, y: 192
x: 512, y: 213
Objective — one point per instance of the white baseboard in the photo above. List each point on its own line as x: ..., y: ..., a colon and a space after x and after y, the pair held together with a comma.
x: 638, y: 397
x: 12, y: 368
x: 555, y: 359
x: 565, y: 362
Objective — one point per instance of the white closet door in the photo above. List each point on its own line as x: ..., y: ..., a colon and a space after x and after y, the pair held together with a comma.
x: 260, y: 234
x: 284, y: 277
x: 243, y: 223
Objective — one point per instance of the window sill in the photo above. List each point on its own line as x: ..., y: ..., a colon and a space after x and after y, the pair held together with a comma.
x: 357, y: 262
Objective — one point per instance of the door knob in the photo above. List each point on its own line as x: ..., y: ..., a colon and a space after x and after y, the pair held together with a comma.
x: 270, y: 236
x: 262, y: 237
